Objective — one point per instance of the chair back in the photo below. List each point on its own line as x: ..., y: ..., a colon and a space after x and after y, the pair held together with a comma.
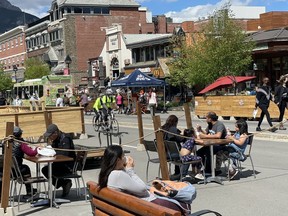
x: 15, y: 170
x: 80, y: 161
x: 150, y: 146
x: 172, y: 150
x: 249, y: 144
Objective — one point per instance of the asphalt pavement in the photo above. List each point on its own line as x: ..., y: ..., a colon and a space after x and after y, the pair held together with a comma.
x: 267, y: 194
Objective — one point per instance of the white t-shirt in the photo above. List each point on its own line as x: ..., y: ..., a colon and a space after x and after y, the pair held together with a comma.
x: 59, y: 102
x: 153, y: 99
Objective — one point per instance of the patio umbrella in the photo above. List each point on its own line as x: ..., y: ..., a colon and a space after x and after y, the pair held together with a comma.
x: 225, y: 81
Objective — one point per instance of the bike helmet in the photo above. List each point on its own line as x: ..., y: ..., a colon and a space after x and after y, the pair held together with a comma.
x: 109, y: 91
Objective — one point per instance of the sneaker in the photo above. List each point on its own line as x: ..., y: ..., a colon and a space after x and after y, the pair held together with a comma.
x: 258, y: 129
x: 282, y: 128
x: 175, y: 177
x: 233, y: 173
x: 273, y: 129
x: 199, y: 176
x: 66, y: 188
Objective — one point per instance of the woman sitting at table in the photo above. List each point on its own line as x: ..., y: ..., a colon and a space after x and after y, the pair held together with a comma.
x: 117, y: 172
x: 18, y: 151
x: 172, y: 134
x: 237, y: 147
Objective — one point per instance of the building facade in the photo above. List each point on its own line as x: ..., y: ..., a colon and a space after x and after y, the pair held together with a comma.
x: 13, y: 52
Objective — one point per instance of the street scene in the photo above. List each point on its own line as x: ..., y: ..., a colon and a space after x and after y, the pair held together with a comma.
x: 138, y: 107
x: 264, y: 195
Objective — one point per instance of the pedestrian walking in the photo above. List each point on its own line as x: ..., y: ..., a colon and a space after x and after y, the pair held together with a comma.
x: 152, y: 101
x: 263, y: 97
x: 281, y: 98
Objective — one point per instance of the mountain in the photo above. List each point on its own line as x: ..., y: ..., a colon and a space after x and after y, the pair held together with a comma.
x: 12, y: 16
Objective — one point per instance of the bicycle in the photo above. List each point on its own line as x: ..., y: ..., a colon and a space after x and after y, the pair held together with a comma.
x: 111, y: 125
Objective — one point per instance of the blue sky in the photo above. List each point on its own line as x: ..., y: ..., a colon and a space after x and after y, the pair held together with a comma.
x: 178, y: 9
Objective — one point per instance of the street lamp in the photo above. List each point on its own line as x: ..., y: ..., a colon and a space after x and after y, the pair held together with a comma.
x: 15, y: 69
x: 68, y: 61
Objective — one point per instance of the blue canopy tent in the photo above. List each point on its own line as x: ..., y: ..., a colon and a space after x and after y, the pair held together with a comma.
x: 138, y: 79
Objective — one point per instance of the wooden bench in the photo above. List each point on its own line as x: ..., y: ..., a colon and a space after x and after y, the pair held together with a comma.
x: 111, y: 202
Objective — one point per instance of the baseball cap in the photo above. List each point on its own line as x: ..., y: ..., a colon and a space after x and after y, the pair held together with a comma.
x: 50, y: 130
x: 17, y: 131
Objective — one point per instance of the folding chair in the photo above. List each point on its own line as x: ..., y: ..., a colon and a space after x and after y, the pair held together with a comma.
x: 150, y: 147
x: 247, y: 155
x: 174, y: 155
x: 76, y: 174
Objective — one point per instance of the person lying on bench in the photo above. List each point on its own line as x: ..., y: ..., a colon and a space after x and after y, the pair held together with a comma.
x: 117, y: 172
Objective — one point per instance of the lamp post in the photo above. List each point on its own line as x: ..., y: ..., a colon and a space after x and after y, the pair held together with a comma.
x: 15, y: 69
x: 68, y: 61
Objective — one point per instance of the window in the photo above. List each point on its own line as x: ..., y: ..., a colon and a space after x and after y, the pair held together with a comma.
x: 21, y: 40
x: 86, y: 10
x: 78, y: 10
x: 0, y: 47
x: 97, y: 10
x: 16, y: 42
x: 12, y: 43
x: 105, y: 11
x: 68, y: 9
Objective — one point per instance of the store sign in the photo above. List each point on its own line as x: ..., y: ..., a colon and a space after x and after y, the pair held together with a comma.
x: 113, y: 42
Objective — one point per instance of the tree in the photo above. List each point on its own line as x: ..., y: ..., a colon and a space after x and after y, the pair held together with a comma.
x: 36, y: 68
x: 5, y: 81
x: 221, y: 48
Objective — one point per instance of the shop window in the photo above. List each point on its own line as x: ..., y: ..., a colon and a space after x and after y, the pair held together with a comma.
x: 276, y: 63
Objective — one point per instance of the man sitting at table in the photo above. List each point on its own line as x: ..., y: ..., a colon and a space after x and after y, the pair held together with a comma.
x: 215, y: 130
x: 61, y: 141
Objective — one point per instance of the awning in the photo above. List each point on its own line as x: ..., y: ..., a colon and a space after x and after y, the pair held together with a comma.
x: 163, y: 64
x: 52, y: 57
x: 59, y: 68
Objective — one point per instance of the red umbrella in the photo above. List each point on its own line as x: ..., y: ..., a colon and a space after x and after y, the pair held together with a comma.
x: 226, y: 80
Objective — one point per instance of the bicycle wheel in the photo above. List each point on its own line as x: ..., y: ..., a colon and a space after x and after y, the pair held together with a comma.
x: 96, y: 123
x: 114, y: 126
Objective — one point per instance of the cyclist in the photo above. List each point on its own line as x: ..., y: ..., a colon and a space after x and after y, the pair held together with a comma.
x: 98, y: 106
x: 107, y: 101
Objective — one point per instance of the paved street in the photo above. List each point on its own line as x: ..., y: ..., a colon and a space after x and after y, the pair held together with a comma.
x: 265, y: 195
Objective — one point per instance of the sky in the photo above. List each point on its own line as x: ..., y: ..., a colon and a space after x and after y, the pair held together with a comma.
x: 179, y: 10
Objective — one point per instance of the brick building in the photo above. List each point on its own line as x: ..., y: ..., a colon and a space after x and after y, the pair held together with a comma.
x: 13, y: 52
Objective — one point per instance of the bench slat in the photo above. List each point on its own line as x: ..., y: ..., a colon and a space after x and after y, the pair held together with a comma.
x: 109, y: 208
x: 131, y: 203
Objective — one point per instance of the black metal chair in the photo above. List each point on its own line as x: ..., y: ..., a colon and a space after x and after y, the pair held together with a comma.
x: 174, y: 155
x: 18, y: 178
x: 247, y: 155
x: 150, y: 147
x: 76, y: 173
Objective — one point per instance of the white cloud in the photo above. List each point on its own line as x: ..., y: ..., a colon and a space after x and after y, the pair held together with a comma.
x: 196, y: 12
x: 38, y: 8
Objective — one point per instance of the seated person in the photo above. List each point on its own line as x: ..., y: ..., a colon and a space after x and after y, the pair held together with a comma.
x: 61, y: 141
x: 186, y: 156
x: 215, y: 130
x: 171, y: 135
x: 236, y: 148
x: 117, y: 172
x: 18, y: 151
